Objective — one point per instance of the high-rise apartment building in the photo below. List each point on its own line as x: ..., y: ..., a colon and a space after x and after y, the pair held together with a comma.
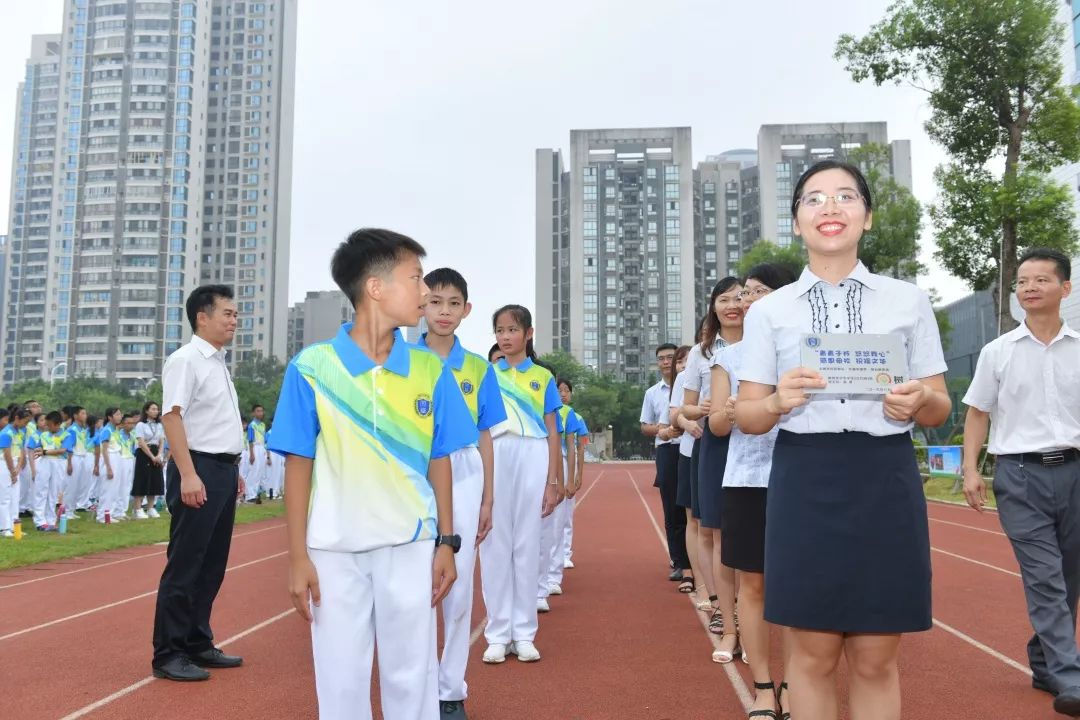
x: 718, y: 186
x: 629, y: 254
x: 37, y: 119
x: 785, y: 151
x: 142, y: 169
x: 316, y: 318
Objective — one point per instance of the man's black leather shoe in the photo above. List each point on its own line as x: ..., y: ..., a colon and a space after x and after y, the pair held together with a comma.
x: 214, y: 658
x: 1067, y: 701
x: 181, y: 669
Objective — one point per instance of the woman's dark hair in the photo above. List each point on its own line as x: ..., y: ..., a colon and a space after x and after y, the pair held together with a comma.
x: 38, y: 417
x: 19, y: 413
x: 109, y: 412
x: 91, y: 420
x: 680, y: 354
x: 494, y: 349
x: 522, y: 317
x: 860, y: 182
x: 772, y: 275
x: 146, y: 418
x: 711, y: 326
x: 563, y: 381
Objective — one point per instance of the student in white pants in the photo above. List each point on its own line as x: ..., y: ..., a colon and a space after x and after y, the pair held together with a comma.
x: 126, y: 463
x: 12, y: 439
x: 109, y: 465
x: 567, y: 550
x: 259, y: 462
x: 528, y: 484
x: 80, y: 482
x: 52, y: 468
x: 34, y: 429
x: 551, y: 530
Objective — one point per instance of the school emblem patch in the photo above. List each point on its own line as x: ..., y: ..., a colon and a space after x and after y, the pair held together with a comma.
x: 466, y: 387
x: 812, y: 341
x: 535, y: 385
x: 422, y: 405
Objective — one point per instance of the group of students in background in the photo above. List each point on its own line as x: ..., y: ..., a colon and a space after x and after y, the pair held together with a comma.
x: 802, y: 510
x: 403, y: 464
x: 263, y: 471
x: 64, y: 462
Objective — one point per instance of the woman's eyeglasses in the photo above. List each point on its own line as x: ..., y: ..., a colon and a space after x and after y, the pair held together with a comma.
x: 755, y: 293
x: 817, y: 199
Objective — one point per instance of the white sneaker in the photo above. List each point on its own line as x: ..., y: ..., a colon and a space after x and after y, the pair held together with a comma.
x: 568, y: 564
x: 555, y: 589
x: 542, y: 605
x: 495, y: 654
x: 71, y: 516
x: 525, y: 651
x: 153, y: 513
x: 7, y: 533
x: 140, y: 514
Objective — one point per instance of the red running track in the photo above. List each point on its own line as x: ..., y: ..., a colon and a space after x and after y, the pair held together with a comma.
x: 621, y: 643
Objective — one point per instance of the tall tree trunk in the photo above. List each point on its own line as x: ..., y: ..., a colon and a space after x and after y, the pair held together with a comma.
x: 1007, y: 259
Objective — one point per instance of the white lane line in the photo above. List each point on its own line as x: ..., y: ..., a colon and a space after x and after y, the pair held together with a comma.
x: 968, y: 527
x: 107, y: 606
x: 477, y: 631
x: 985, y: 648
x: 124, y: 560
x: 737, y: 684
x: 589, y: 489
x: 976, y: 562
x: 97, y: 705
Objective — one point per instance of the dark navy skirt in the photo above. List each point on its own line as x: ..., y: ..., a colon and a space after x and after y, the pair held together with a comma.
x: 847, y: 544
x: 695, y: 462
x: 683, y: 492
x: 711, y: 464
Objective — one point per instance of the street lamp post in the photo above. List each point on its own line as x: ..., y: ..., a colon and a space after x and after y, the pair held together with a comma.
x: 52, y: 373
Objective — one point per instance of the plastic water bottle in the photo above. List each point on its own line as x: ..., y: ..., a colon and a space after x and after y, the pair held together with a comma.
x: 18, y: 529
x: 159, y: 504
x: 108, y: 518
x: 61, y: 526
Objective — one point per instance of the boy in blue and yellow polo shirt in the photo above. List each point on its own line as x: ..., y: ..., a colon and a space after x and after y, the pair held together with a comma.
x: 447, y: 305
x: 256, y: 457
x: 367, y: 423
x: 12, y: 439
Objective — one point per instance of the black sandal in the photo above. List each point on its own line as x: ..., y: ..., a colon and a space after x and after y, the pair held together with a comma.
x: 784, y: 715
x: 686, y: 585
x: 765, y: 713
x: 716, y: 623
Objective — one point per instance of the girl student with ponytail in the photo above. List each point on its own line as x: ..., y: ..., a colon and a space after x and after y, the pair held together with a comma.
x: 528, y: 485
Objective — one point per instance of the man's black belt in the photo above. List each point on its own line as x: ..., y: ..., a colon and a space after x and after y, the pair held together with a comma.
x: 1054, y: 457
x: 227, y: 458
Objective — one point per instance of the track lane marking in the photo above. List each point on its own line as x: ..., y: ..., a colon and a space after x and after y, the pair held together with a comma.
x: 975, y: 562
x: 117, y: 603
x: 737, y: 683
x: 117, y: 562
x: 968, y: 527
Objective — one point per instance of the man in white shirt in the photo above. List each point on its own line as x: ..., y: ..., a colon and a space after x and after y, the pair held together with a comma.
x: 654, y: 415
x: 1028, y: 383
x: 202, y: 423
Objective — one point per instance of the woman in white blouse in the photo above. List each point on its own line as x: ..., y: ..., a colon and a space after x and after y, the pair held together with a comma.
x: 149, y: 480
x: 744, y: 493
x: 847, y: 547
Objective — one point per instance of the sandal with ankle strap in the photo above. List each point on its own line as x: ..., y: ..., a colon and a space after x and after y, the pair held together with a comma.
x: 725, y: 656
x: 716, y: 623
x: 765, y: 713
x: 686, y: 585
x: 784, y: 714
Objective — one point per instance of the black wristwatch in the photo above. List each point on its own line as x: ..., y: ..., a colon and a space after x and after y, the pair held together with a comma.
x: 451, y: 541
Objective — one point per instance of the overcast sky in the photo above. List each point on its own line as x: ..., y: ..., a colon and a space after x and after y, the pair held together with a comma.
x: 423, y: 117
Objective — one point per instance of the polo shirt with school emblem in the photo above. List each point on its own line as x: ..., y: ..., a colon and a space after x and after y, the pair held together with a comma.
x: 529, y: 393
x: 371, y: 431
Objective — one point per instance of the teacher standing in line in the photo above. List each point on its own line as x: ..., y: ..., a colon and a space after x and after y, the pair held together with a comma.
x: 202, y: 423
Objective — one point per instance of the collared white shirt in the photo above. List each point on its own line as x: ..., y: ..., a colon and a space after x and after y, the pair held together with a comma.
x: 1031, y: 390
x: 654, y: 409
x: 197, y: 380
x: 699, y: 369
x: 749, y: 457
x: 678, y: 395
x: 860, y: 303
x: 151, y: 432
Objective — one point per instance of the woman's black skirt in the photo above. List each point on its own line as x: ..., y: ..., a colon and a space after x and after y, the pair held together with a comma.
x: 847, y: 544
x: 742, y: 538
x: 682, y: 494
x: 711, y: 464
x: 149, y: 478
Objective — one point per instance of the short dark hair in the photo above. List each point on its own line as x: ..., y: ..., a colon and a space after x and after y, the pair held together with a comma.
x: 4, y: 413
x: 109, y: 412
x: 129, y: 414
x: 772, y: 275
x: 494, y: 349
x: 27, y: 402
x: 367, y: 252
x: 447, y: 277
x: 860, y: 182
x: 1063, y: 266
x: 66, y: 410
x: 74, y: 410
x: 54, y: 417
x: 256, y: 406
x: 666, y: 346
x: 563, y: 381
x: 19, y: 414
x: 202, y: 299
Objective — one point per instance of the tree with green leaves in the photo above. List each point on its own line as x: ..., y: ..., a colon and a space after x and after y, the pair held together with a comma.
x: 994, y: 80
x: 891, y: 245
x: 764, y: 251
